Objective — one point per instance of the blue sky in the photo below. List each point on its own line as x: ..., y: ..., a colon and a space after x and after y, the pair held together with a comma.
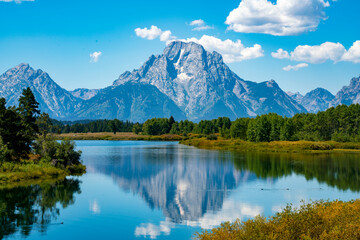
x: 318, y: 38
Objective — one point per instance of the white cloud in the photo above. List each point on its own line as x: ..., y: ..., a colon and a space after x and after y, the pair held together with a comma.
x: 280, y: 54
x: 353, y: 55
x: 230, y: 50
x: 202, y: 28
x: 94, y: 207
x: 198, y: 22
x: 230, y: 212
x: 17, y: 1
x: 200, y: 25
x: 284, y: 18
x: 94, y: 57
x: 153, y: 231
x: 335, y: 52
x: 153, y: 33
x: 319, y: 54
x: 295, y: 67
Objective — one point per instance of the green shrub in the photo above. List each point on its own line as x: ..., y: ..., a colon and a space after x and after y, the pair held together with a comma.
x: 212, y: 137
x: 60, y: 154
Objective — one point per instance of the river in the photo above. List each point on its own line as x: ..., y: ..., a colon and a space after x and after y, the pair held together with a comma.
x: 164, y: 190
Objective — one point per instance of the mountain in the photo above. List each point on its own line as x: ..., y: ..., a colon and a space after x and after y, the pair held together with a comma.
x: 204, y: 87
x: 317, y: 100
x: 186, y: 82
x: 53, y: 99
x: 84, y: 93
x: 133, y: 102
x: 296, y: 96
x: 348, y: 94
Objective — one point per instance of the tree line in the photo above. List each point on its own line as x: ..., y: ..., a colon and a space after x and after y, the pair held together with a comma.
x: 341, y: 123
x: 85, y: 126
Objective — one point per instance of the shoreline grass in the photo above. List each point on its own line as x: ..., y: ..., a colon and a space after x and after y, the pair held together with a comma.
x: 315, y: 220
x: 25, y: 171
x: 276, y: 146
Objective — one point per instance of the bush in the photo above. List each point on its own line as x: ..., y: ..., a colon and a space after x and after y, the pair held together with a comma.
x: 317, y: 220
x: 212, y: 137
x: 60, y: 154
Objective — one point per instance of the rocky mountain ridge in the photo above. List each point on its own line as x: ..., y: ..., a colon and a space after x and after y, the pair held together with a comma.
x: 204, y: 87
x: 321, y: 99
x: 51, y: 97
x: 186, y: 81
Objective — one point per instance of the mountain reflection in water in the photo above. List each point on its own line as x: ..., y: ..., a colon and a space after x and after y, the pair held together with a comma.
x: 168, y: 191
x: 191, y: 186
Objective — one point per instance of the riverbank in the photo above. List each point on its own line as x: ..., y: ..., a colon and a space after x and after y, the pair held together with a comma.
x: 26, y: 172
x: 277, y: 146
x: 317, y: 220
x: 197, y: 140
x: 117, y: 136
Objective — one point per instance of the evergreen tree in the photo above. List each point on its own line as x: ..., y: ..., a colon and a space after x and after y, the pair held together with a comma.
x: 29, y: 109
x: 44, y: 124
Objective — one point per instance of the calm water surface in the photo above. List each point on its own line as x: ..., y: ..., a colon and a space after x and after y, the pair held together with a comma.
x: 163, y: 190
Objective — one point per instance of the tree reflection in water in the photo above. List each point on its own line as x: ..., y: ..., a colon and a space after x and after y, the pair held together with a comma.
x: 338, y: 170
x: 22, y: 208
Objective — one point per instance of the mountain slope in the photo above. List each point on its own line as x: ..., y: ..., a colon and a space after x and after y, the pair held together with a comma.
x: 295, y: 96
x: 268, y: 97
x: 317, y: 100
x: 53, y: 99
x: 84, y: 93
x: 204, y: 87
x: 133, y: 102
x: 348, y: 94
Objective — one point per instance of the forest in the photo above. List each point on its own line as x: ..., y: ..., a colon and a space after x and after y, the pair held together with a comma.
x: 339, y: 124
x: 24, y: 139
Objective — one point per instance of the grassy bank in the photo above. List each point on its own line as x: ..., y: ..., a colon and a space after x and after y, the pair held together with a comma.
x: 117, y: 136
x: 29, y: 171
x: 317, y: 220
x: 277, y: 146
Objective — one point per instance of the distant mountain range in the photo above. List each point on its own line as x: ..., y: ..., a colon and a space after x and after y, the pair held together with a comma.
x: 321, y: 99
x: 186, y: 82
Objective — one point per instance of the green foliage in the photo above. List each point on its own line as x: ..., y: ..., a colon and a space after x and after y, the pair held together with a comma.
x: 66, y: 154
x: 115, y: 125
x: 28, y: 110
x: 340, y: 137
x: 4, y: 152
x: 44, y: 124
x: 93, y: 126
x: 251, y: 133
x: 212, y: 137
x: 239, y: 128
x: 156, y: 126
x: 137, y: 128
x: 316, y: 220
x: 60, y: 154
x: 18, y: 127
x: 338, y: 124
